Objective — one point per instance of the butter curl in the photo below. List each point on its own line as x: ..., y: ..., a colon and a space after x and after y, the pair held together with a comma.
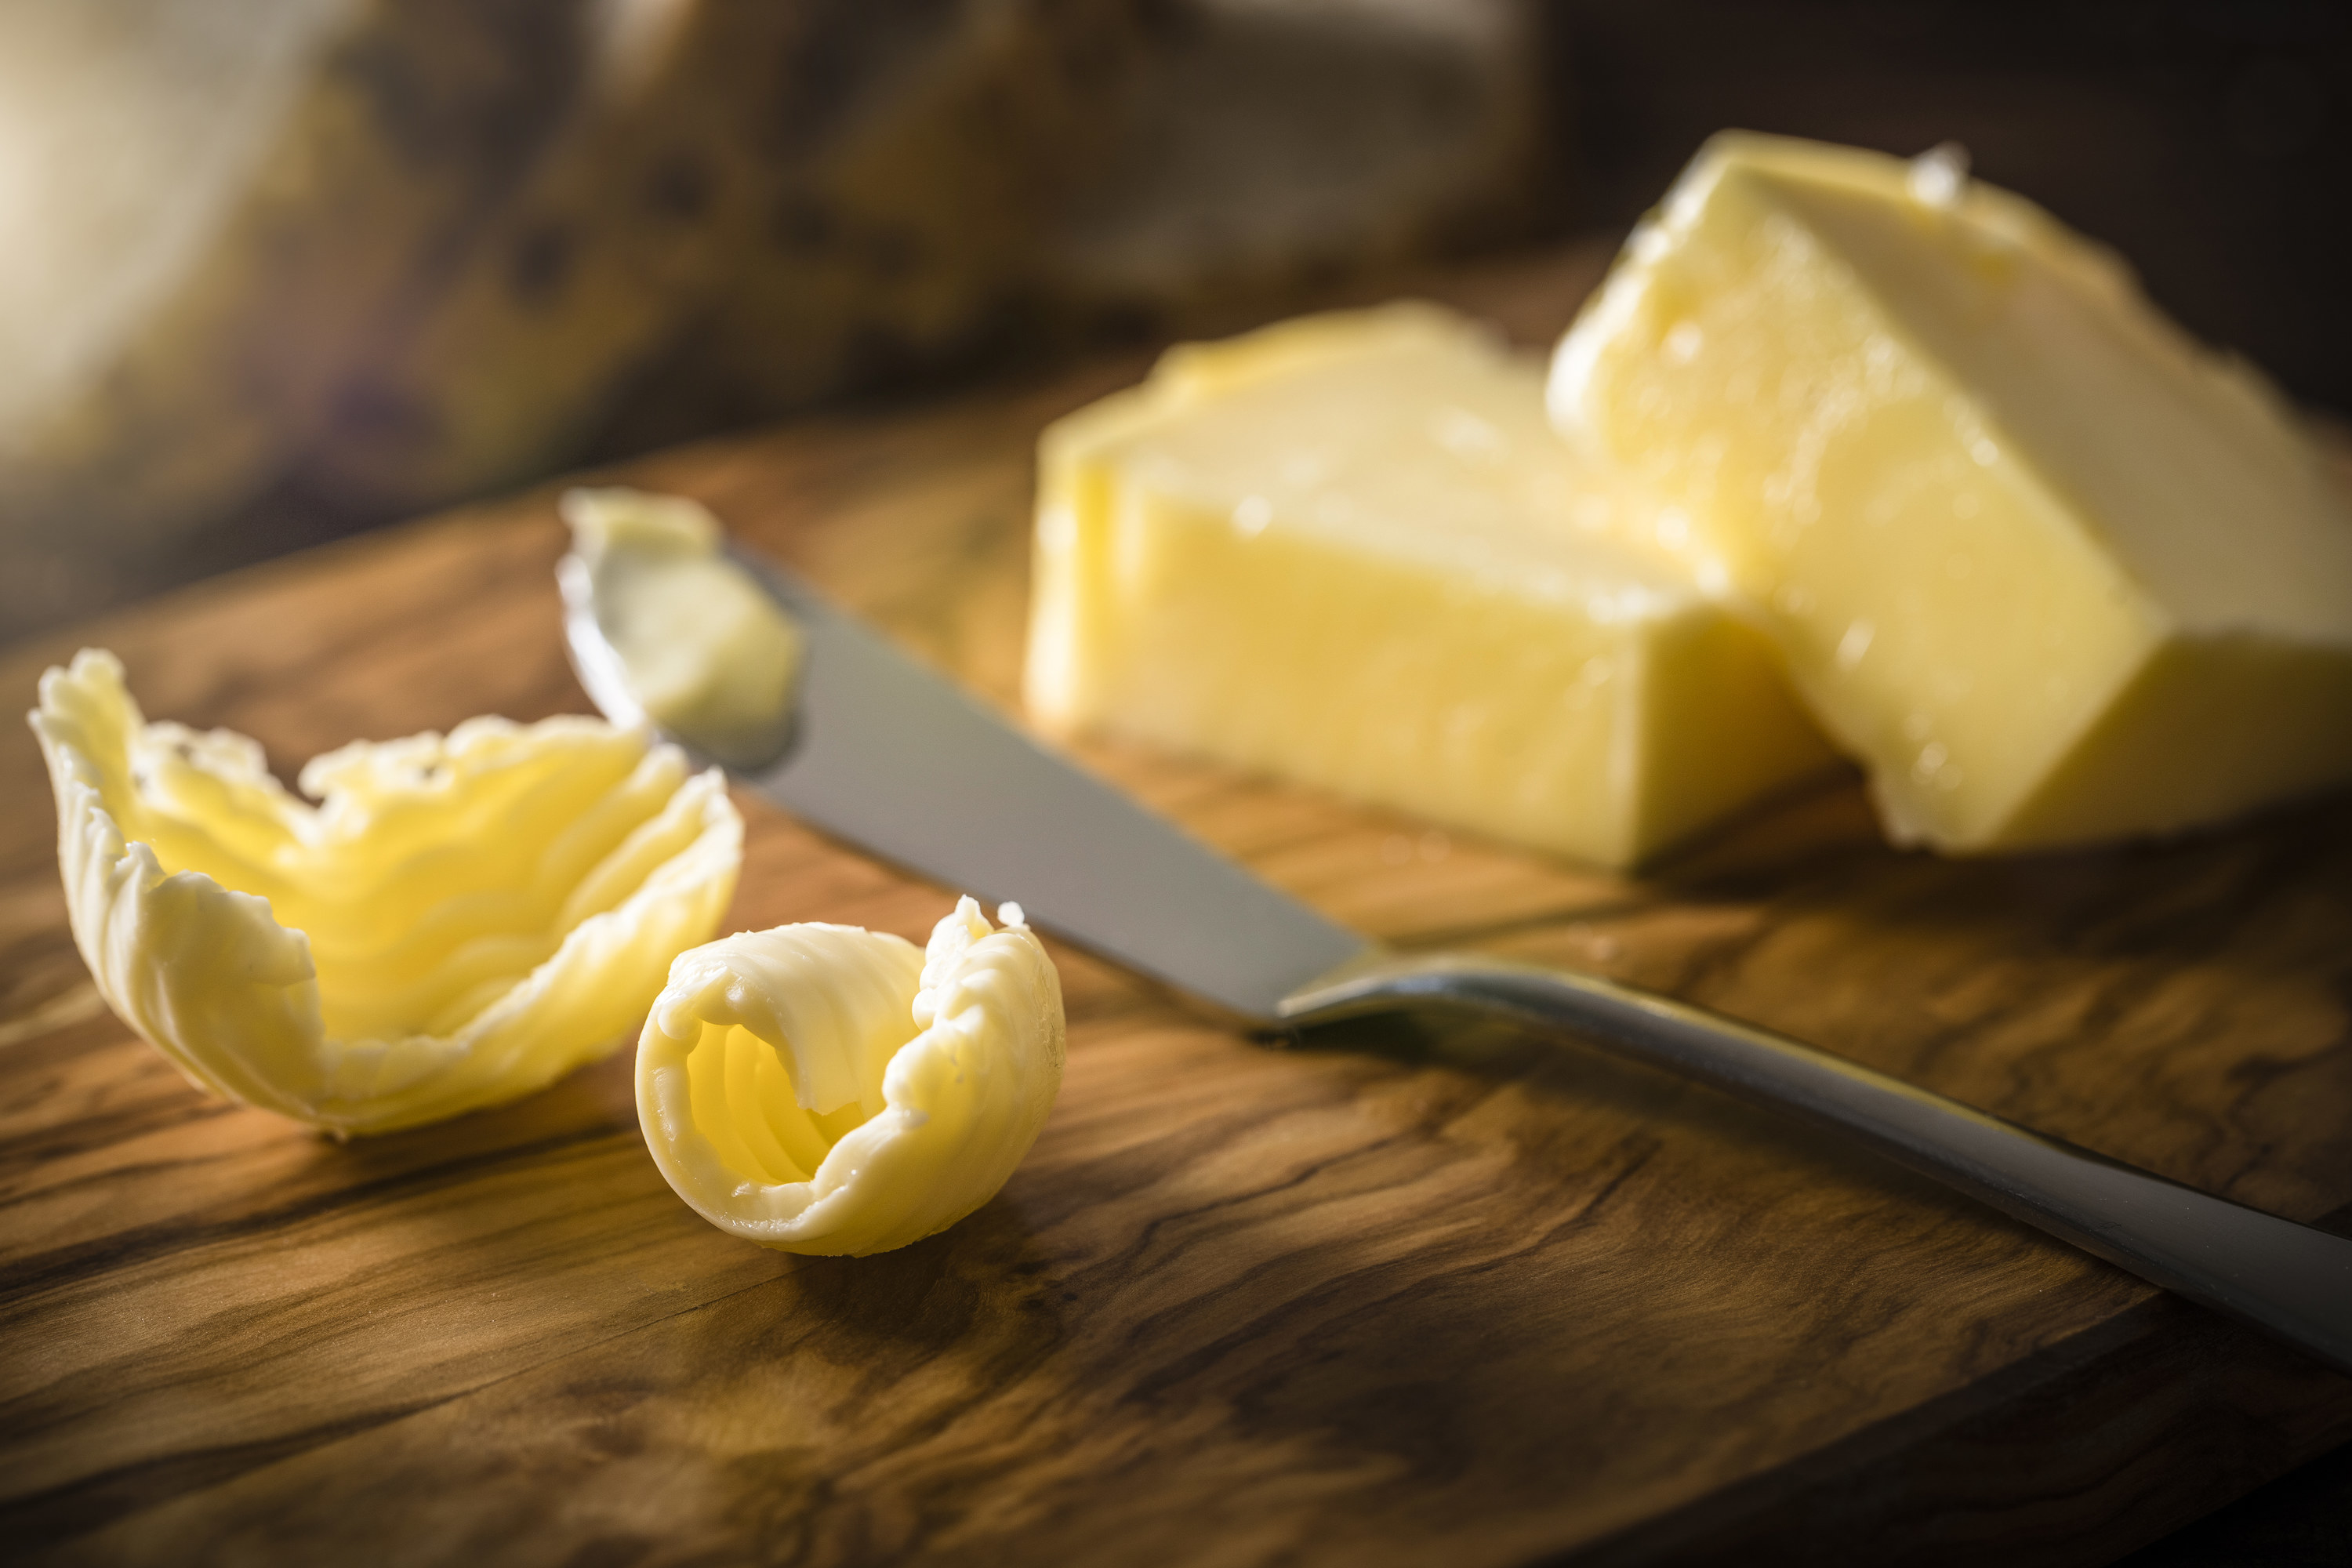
x: 461, y: 919
x: 823, y: 1089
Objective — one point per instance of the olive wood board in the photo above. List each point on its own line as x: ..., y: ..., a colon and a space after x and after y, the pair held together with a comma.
x: 1413, y: 1292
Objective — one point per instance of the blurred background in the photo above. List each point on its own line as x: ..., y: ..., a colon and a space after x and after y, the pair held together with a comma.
x: 275, y: 271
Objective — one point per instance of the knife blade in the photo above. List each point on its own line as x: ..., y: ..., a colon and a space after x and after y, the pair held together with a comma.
x: 895, y: 760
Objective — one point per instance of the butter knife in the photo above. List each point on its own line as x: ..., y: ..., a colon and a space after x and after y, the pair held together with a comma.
x: 894, y: 759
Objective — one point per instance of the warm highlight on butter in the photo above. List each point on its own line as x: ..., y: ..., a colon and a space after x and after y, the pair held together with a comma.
x: 2052, y: 571
x: 1349, y: 550
x: 460, y: 920
x: 823, y: 1089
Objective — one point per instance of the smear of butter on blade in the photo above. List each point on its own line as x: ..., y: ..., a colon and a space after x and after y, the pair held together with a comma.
x: 460, y: 920
x: 827, y: 1089
x: 702, y: 649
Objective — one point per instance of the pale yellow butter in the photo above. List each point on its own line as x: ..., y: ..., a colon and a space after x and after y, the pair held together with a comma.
x: 1349, y: 550
x: 2054, y: 572
x: 823, y: 1089
x: 461, y: 920
x: 702, y: 650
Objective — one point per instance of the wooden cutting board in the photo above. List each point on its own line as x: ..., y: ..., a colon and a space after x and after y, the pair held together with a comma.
x: 1412, y: 1294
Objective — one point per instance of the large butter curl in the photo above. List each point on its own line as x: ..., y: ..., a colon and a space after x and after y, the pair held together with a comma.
x: 823, y: 1089
x: 461, y: 919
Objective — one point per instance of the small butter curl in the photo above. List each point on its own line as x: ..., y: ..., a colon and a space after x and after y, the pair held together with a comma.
x: 823, y: 1089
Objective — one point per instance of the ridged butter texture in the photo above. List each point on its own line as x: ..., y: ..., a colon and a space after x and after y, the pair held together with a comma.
x: 2052, y: 571
x: 824, y: 1089
x: 1349, y: 550
x: 459, y: 921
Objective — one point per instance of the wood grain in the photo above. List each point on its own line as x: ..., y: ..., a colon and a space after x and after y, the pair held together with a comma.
x: 1412, y: 1291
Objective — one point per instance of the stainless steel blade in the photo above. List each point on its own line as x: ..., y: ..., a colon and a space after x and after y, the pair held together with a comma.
x: 893, y: 758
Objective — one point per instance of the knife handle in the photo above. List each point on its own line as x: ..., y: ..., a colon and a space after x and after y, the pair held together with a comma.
x: 2287, y: 1279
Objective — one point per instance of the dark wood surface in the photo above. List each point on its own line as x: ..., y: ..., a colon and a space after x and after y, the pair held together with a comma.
x: 1412, y: 1294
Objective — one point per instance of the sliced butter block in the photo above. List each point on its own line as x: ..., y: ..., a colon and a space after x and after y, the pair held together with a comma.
x: 2056, y: 572
x: 1349, y: 550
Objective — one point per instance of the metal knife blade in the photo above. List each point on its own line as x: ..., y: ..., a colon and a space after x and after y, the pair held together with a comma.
x: 896, y: 760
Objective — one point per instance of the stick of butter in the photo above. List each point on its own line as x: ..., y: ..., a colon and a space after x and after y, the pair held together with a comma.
x: 2053, y: 571
x: 1349, y: 550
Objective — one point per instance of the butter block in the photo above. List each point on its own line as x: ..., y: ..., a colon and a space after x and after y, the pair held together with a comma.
x: 2053, y: 571
x: 1349, y: 550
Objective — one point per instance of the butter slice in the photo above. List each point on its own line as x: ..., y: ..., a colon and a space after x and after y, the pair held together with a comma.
x: 2054, y: 571
x: 1349, y: 550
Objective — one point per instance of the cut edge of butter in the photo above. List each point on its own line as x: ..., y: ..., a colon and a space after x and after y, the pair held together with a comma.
x: 831, y: 1090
